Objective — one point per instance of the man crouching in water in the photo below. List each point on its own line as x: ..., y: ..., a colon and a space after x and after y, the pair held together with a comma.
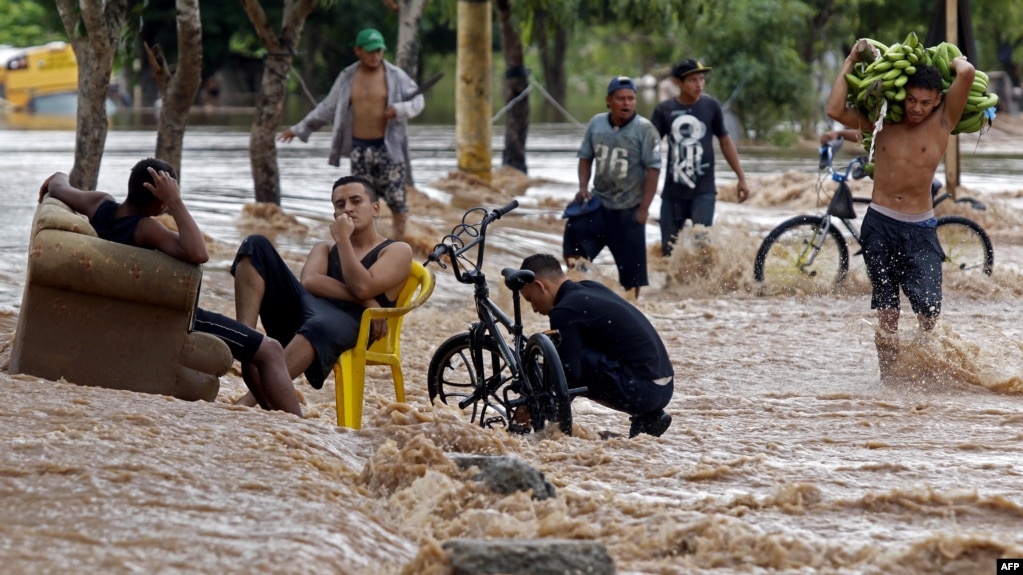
x: 899, y: 237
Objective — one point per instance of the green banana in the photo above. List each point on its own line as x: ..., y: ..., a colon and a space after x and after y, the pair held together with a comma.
x: 941, y: 61
x: 880, y: 65
x: 895, y: 53
x: 982, y: 102
x: 875, y: 81
x: 881, y: 47
x: 970, y: 122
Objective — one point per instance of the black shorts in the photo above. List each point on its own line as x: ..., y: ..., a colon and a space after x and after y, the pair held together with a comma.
x: 242, y: 339
x: 331, y: 327
x: 586, y: 236
x: 903, y: 255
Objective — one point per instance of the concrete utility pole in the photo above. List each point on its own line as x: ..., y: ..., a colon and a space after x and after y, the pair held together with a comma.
x: 473, y: 131
x: 952, y: 153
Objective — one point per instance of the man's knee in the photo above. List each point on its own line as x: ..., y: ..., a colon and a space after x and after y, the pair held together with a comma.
x: 270, y: 350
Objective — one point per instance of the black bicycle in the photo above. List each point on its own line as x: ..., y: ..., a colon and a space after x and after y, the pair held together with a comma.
x: 499, y: 379
x: 809, y: 254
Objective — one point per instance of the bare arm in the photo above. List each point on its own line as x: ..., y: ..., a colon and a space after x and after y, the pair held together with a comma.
x: 959, y: 91
x: 649, y: 191
x: 82, y: 201
x: 315, y: 279
x: 361, y: 285
x: 846, y: 134
x: 187, y: 244
x: 732, y: 157
x: 840, y: 92
x: 584, y: 170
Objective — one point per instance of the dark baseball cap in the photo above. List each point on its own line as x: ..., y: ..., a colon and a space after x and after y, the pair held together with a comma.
x: 370, y: 40
x: 687, y: 67
x: 620, y: 82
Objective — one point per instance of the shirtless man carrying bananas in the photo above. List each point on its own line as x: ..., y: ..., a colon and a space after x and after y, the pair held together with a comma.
x: 900, y: 244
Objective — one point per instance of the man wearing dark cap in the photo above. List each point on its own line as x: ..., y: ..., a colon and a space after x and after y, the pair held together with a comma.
x: 690, y: 120
x: 369, y: 106
x: 622, y: 152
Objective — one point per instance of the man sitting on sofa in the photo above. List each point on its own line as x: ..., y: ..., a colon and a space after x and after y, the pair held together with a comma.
x: 152, y: 190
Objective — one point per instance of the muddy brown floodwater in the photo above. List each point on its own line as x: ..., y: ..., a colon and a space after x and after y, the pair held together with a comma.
x: 786, y: 455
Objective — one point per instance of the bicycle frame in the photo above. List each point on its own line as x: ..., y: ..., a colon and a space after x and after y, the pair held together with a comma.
x: 965, y: 243
x: 491, y: 317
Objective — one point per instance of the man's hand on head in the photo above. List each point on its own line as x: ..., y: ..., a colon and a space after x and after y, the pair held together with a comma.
x: 164, y: 187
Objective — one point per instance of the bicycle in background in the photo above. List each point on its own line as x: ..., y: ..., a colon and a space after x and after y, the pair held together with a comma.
x: 809, y: 254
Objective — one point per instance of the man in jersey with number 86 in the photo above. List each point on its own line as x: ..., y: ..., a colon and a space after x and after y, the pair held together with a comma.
x: 622, y: 152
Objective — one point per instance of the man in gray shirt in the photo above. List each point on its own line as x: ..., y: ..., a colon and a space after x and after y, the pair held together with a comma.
x: 626, y: 149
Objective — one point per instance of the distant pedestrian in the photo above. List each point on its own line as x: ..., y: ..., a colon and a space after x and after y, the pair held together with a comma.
x: 369, y: 105
x: 627, y: 152
x: 690, y: 121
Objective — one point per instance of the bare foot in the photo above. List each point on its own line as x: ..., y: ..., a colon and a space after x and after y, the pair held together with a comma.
x: 248, y: 400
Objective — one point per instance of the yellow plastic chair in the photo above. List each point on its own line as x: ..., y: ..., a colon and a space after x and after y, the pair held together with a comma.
x: 350, y: 369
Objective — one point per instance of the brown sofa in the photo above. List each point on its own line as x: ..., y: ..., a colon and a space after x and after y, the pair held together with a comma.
x: 104, y: 314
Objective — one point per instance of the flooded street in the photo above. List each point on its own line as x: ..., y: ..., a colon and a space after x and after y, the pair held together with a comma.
x: 786, y: 454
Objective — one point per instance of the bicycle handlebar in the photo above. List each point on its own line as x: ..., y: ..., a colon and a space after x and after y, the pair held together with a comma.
x: 454, y: 244
x: 504, y: 210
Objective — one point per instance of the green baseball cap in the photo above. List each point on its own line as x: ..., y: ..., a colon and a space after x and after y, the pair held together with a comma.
x: 370, y: 40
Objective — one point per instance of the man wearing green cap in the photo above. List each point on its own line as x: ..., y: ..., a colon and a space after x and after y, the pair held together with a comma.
x: 369, y: 106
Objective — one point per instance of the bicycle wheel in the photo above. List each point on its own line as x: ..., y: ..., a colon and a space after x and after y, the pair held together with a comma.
x: 967, y: 247
x: 800, y: 256
x: 455, y: 380
x: 546, y: 376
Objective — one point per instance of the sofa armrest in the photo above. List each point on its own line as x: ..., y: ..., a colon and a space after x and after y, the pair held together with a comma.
x: 206, y: 353
x: 53, y: 214
x: 78, y: 262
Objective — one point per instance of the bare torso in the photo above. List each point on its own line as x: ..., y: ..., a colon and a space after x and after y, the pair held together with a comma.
x: 369, y: 103
x: 907, y: 156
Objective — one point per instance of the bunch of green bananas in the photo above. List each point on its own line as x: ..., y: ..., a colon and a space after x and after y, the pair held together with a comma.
x: 882, y: 72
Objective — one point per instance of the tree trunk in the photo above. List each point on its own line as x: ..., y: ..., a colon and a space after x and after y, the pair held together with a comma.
x: 280, y: 48
x: 552, y: 38
x: 516, y: 80
x: 95, y: 51
x: 410, y: 13
x: 179, y: 91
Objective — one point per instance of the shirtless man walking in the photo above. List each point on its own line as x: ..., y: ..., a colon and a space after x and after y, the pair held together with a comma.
x: 369, y: 106
x: 899, y: 239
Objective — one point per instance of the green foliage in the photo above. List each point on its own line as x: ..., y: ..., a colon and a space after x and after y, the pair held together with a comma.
x: 769, y: 56
x: 29, y: 23
x: 756, y: 64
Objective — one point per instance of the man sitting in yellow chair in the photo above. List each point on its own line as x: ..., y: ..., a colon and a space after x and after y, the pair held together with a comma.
x: 317, y: 318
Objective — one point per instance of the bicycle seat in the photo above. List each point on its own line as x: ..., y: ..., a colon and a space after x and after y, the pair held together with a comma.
x: 517, y: 279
